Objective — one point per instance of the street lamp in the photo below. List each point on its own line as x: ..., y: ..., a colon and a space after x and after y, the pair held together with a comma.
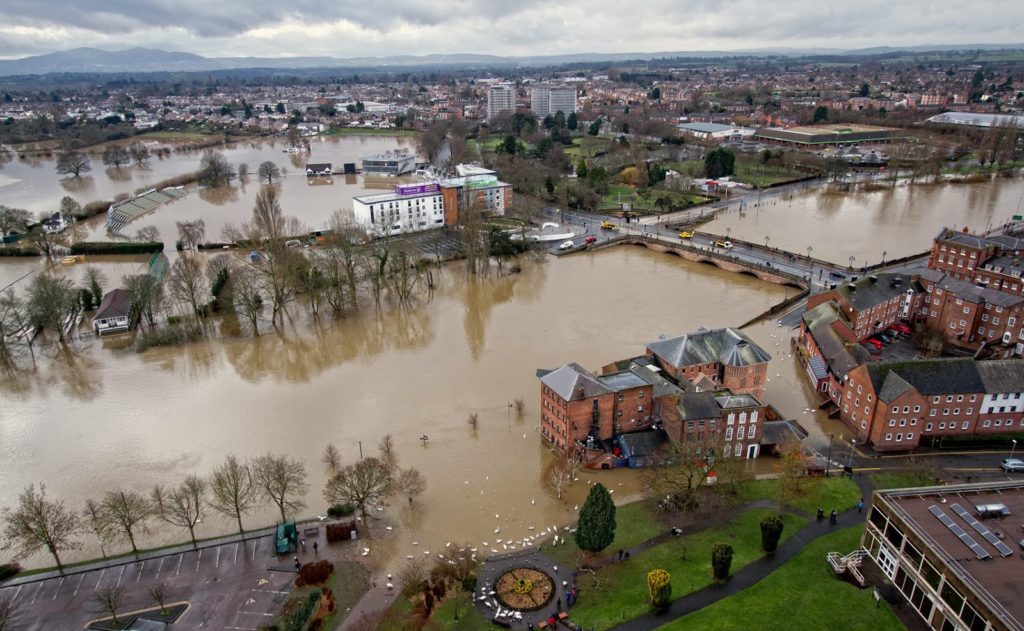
x: 883, y: 258
x: 828, y: 459
x: 851, y: 262
x: 1014, y: 447
x: 810, y: 273
x: 766, y: 239
x: 853, y: 441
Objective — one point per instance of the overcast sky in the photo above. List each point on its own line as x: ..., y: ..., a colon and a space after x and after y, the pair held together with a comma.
x: 345, y: 28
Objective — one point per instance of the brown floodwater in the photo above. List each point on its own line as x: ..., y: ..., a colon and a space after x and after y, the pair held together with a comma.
x: 105, y: 417
x: 899, y: 222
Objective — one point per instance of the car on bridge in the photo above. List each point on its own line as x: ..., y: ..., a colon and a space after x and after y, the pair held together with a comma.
x: 565, y: 245
x: 724, y: 244
x: 685, y: 234
x: 590, y: 239
x: 607, y: 225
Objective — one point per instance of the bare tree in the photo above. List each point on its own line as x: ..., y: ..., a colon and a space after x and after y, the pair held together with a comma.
x: 48, y: 244
x: 51, y: 301
x: 38, y: 523
x: 95, y: 280
x: 233, y: 490
x: 268, y: 171
x: 685, y: 466
x: 191, y: 233
x: 557, y: 477
x: 403, y: 272
x: 116, y: 156
x: 343, y: 243
x: 73, y: 163
x: 243, y: 172
x: 388, y: 455
x: 148, y: 234
x: 16, y: 320
x: 245, y: 288
x: 108, y: 601
x: 183, y: 505
x: 283, y: 481
x: 410, y: 483
x: 367, y: 481
x: 126, y: 512
x: 146, y: 295
x: 11, y: 613
x: 159, y: 594
x: 214, y: 169
x: 139, y: 152
x: 331, y: 458
x: 187, y: 282
x: 13, y: 220
x: 93, y: 514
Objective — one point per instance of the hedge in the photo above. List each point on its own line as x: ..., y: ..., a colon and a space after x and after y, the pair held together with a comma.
x: 117, y: 247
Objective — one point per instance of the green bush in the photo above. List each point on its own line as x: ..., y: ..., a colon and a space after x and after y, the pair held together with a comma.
x: 301, y: 616
x: 721, y: 560
x: 771, y: 531
x: 7, y: 570
x: 18, y: 251
x: 219, y: 282
x: 469, y: 583
x: 117, y: 247
x: 340, y: 510
x: 659, y: 585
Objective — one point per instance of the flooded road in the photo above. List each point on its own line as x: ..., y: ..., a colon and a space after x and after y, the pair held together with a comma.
x: 899, y: 222
x: 106, y: 417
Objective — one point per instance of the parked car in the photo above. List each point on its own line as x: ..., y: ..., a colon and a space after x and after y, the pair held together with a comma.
x: 591, y: 239
x: 1012, y: 465
x: 874, y: 342
x: 901, y: 328
x: 888, y: 336
x: 565, y: 245
x: 837, y: 275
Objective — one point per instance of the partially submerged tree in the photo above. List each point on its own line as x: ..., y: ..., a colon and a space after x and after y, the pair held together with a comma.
x: 596, y: 528
x: 410, y: 483
x: 13, y: 220
x: 191, y: 233
x: 331, y: 458
x: 139, y: 152
x: 73, y: 163
x: 187, y: 282
x: 146, y: 295
x: 52, y: 300
x: 183, y: 505
x: 368, y: 481
x: 126, y: 512
x: 282, y: 481
x: 116, y: 156
x: 41, y: 524
x: 94, y: 280
x: 100, y: 527
x: 233, y: 490
x: 214, y: 169
x: 268, y: 171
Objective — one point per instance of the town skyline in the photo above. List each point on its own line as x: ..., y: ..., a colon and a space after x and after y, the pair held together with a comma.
x: 264, y: 29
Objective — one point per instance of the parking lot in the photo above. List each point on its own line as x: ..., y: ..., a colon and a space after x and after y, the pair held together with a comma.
x: 228, y: 586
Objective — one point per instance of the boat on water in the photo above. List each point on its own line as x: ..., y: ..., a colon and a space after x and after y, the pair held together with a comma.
x: 71, y: 259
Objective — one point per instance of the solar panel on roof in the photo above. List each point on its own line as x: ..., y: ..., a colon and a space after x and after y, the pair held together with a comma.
x: 967, y: 540
x: 982, y: 530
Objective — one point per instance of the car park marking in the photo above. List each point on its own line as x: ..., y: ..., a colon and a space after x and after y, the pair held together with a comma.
x: 37, y: 593
x: 97, y: 586
x: 141, y: 567
x: 80, y: 581
x: 57, y: 591
x: 160, y: 567
x: 198, y: 559
x: 120, y: 576
x: 235, y: 561
x: 217, y: 563
x: 178, y: 571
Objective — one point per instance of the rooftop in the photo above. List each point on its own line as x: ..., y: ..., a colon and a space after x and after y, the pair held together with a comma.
x: 706, y: 128
x: 995, y: 580
x: 969, y: 291
x: 845, y: 128
x: 976, y: 119
x: 622, y: 380
x: 726, y: 346
x: 572, y: 382
x: 875, y: 290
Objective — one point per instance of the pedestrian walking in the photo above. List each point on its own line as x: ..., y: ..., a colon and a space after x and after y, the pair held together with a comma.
x: 529, y: 626
x: 620, y: 555
x: 627, y: 555
x: 302, y: 542
x: 297, y: 564
x: 559, y: 603
x: 832, y: 518
x: 821, y: 514
x: 860, y: 506
x: 316, y: 548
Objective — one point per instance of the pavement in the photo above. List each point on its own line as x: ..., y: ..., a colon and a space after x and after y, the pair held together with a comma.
x: 230, y: 583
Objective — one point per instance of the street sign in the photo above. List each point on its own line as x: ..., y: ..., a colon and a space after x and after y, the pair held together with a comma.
x: 1018, y: 217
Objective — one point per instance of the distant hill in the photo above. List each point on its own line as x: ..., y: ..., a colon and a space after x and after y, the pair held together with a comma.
x: 94, y: 60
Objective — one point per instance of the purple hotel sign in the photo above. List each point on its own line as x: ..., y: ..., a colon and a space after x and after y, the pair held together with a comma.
x: 416, y: 189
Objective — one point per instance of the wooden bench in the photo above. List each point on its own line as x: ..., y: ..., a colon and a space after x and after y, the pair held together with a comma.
x: 311, y: 531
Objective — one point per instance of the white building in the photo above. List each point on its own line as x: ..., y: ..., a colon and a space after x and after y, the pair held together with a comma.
x: 501, y: 99
x: 410, y: 208
x: 548, y: 99
x: 716, y: 131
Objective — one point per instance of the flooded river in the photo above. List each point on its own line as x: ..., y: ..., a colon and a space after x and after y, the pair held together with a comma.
x: 106, y: 417
x: 899, y: 222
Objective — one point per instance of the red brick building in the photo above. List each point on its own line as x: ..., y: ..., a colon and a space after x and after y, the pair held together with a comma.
x: 874, y: 303
x: 897, y: 405
x: 735, y: 420
x: 969, y: 315
x: 724, y: 356
x: 993, y: 262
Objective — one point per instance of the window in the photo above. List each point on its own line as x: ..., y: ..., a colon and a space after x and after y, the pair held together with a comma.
x: 986, y: 424
x: 903, y: 422
x: 895, y: 409
x: 960, y: 398
x: 910, y: 435
x: 965, y: 425
x: 942, y: 426
x: 906, y: 408
x: 899, y: 438
x: 888, y: 436
x: 949, y: 399
x: 928, y: 427
x: 728, y: 433
x: 917, y: 408
x: 892, y: 422
x: 931, y: 413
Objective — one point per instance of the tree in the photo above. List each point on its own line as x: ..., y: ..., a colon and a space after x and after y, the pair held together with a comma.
x: 214, y: 169
x: 572, y: 122
x: 14, y: 320
x: 245, y: 290
x: 108, y: 600
x: 139, y: 152
x: 595, y: 127
x: 148, y: 234
x: 95, y: 279
x: 116, y: 156
x: 187, y: 282
x: 331, y: 459
x: 243, y: 172
x: 430, y: 142
x: 820, y: 114
x: 388, y: 455
x: 659, y: 586
x: 159, y: 594
x: 281, y: 480
x: 93, y: 514
x: 865, y: 89
x: 183, y: 505
x: 655, y: 94
x: 596, y: 528
x: 410, y: 483
x: 367, y: 481
x: 13, y: 220
x: 146, y: 295
x: 721, y: 560
x: 73, y: 163
x: 51, y: 301
x: 771, y: 531
x: 233, y: 489
x: 38, y: 523
x: 268, y: 171
x: 191, y: 233
x: 719, y: 163
x: 125, y: 512
x: 684, y: 467
x: 11, y: 613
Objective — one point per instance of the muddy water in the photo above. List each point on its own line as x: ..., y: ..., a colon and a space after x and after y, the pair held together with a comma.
x: 33, y: 184
x: 899, y: 222
x: 104, y: 417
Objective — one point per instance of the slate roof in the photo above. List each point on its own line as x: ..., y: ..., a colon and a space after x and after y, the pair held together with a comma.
x: 644, y: 443
x: 962, y: 238
x: 117, y: 302
x: 726, y: 346
x: 698, y: 405
x: 1002, y: 375
x: 968, y: 291
x: 841, y: 359
x: 727, y: 401
x: 778, y: 432
x: 927, y: 376
x: 1009, y: 265
x: 572, y: 382
x: 869, y: 293
x: 622, y: 381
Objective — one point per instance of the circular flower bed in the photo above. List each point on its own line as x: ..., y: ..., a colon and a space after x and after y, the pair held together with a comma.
x: 524, y: 589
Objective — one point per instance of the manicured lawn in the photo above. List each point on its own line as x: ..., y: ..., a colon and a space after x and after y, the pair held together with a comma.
x: 802, y: 594
x: 621, y: 592
x: 349, y: 582
x: 815, y: 493
x: 459, y: 614
x: 621, y: 193
x: 634, y: 524
x: 747, y: 171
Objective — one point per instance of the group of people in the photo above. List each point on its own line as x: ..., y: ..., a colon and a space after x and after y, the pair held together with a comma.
x: 831, y: 518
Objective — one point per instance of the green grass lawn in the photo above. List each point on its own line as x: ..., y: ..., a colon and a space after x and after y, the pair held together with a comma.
x: 634, y: 524
x: 622, y: 590
x: 815, y: 493
x: 901, y: 479
x: 802, y: 594
x: 622, y: 193
x: 459, y: 614
x: 747, y: 171
x: 349, y: 582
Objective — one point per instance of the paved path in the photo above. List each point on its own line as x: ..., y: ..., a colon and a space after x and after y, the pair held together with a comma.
x: 753, y: 572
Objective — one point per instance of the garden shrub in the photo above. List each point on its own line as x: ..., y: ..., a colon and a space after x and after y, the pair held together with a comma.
x: 659, y: 584
x: 7, y: 570
x: 339, y: 510
x: 721, y: 560
x: 117, y: 247
x: 314, y: 573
